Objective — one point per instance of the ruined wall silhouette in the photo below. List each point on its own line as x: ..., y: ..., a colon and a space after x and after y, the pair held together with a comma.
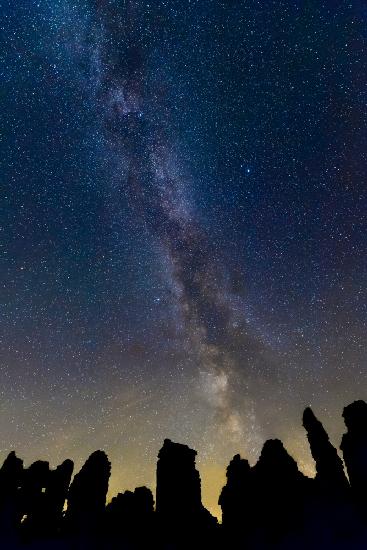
x: 269, y: 505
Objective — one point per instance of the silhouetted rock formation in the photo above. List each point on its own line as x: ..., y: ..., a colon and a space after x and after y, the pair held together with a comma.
x: 330, y: 474
x: 11, y: 477
x: 329, y: 514
x: 279, y: 491
x: 178, y: 494
x: 269, y: 506
x: 41, y: 499
x: 354, y: 447
x: 33, y: 496
x: 87, y: 494
x: 234, y: 498
x: 178, y: 481
x: 56, y: 493
x: 129, y: 519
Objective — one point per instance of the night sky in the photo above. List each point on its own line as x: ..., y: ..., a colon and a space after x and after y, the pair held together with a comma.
x: 183, y: 227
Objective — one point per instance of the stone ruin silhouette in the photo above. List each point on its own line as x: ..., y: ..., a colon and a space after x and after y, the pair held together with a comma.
x: 271, y: 505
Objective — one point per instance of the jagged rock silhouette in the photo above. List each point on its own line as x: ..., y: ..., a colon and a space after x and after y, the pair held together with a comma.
x: 11, y: 478
x: 330, y: 474
x: 87, y: 495
x: 234, y: 496
x: 270, y: 505
x: 329, y: 515
x: 354, y: 448
x: 178, y: 496
x: 33, y: 496
x: 279, y: 492
x: 178, y: 481
x: 129, y: 519
x: 56, y: 493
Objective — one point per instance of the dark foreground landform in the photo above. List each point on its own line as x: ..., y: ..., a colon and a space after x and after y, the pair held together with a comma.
x: 270, y: 505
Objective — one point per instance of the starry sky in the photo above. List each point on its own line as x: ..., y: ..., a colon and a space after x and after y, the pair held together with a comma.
x: 183, y: 228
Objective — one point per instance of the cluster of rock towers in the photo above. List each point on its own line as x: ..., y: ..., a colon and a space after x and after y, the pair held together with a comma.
x: 269, y: 505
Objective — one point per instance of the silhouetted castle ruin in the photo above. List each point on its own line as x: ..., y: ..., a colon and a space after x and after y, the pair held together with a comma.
x: 269, y: 505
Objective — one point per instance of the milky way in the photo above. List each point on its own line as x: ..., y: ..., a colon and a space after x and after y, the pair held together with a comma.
x: 184, y: 227
x: 136, y: 122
